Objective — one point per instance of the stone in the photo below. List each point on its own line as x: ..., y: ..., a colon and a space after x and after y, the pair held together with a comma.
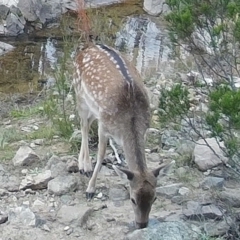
x: 217, y: 228
x: 118, y: 193
x: 30, y: 9
x: 155, y: 7
x: 25, y: 156
x: 170, y: 139
x: 12, y: 183
x: 177, y: 199
x: 205, y: 158
x: 22, y: 215
x: 231, y: 197
x: 5, y: 48
x: 57, y: 166
x: 182, y: 171
x: 185, y: 147
x: 183, y: 191
x: 62, y: 185
x: 14, y: 25
x: 72, y: 166
x: 38, y: 205
x: 212, y: 182
x: 164, y: 230
x: 38, y: 141
x: 37, y: 182
x: 3, y: 217
x: 50, y: 11
x: 196, y: 211
x: 3, y: 192
x: 74, y: 215
x: 4, y: 10
x: 154, y: 157
x: 169, y: 190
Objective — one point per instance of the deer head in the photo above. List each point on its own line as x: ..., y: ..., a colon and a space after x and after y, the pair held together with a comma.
x: 142, y: 192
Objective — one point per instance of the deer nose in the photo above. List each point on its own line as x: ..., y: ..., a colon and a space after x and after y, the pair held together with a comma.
x: 141, y: 225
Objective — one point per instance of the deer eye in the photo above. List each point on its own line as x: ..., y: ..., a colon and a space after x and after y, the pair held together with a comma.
x: 133, y: 201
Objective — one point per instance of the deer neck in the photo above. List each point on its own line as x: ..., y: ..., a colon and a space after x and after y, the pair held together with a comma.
x: 134, y: 146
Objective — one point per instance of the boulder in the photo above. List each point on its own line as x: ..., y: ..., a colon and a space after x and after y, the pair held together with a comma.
x: 15, y: 25
x: 155, y: 7
x: 62, y: 185
x: 231, y: 197
x: 205, y: 158
x: 165, y: 231
x: 4, y: 10
x: 74, y: 214
x: 25, y: 156
x: 5, y: 47
x: 22, y: 215
x: 37, y: 182
x: 30, y: 9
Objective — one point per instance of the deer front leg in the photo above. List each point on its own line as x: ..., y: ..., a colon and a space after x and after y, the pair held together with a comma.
x: 102, y: 145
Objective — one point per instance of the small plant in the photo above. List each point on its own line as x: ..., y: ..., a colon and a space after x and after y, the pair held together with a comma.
x: 173, y: 103
x: 26, y: 112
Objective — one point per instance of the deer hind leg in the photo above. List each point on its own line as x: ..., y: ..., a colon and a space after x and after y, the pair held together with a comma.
x: 84, y: 161
x: 102, y: 145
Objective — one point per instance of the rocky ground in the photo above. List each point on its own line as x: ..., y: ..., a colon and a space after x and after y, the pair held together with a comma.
x: 42, y: 194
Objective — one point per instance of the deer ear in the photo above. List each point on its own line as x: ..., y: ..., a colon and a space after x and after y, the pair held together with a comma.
x: 124, y: 173
x: 164, y: 167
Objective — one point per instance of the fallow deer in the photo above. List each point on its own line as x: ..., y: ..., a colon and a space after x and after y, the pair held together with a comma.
x: 108, y: 88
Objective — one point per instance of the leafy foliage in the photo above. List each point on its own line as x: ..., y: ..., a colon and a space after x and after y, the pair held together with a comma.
x: 173, y: 103
x: 216, y: 25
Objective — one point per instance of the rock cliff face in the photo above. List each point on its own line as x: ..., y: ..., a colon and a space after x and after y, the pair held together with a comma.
x: 16, y: 15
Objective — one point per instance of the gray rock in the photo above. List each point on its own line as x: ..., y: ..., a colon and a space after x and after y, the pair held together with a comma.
x: 57, y: 166
x: 231, y: 197
x: 217, y: 228
x: 77, y: 215
x: 177, y: 199
x: 38, y: 205
x: 183, y: 191
x: 22, y: 216
x: 164, y: 231
x: 50, y: 11
x: 12, y: 183
x: 2, y: 168
x: 3, y: 217
x: 118, y: 193
x: 3, y: 192
x: 4, y: 10
x: 14, y: 25
x: 169, y: 190
x: 72, y: 165
x: 37, y: 182
x: 62, y: 185
x: 16, y: 11
x: 182, y: 171
x: 25, y: 156
x: 155, y: 7
x: 196, y: 211
x: 212, y: 182
x: 5, y: 48
x: 170, y: 138
x: 185, y: 148
x: 154, y: 157
x: 205, y: 158
x: 30, y: 9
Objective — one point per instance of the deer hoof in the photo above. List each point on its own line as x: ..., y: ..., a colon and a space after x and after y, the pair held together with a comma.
x: 81, y: 171
x: 88, y: 174
x: 89, y: 195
